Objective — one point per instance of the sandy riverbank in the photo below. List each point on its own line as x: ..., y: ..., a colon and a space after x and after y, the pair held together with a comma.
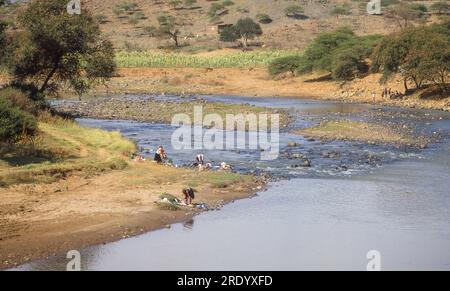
x: 73, y: 186
x: 256, y: 82
x: 37, y: 221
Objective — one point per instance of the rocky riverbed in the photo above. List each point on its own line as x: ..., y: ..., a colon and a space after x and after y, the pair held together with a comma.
x: 155, y: 109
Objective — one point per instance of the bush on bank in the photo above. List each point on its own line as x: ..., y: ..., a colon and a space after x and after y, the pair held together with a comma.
x: 14, y: 123
x: 340, y: 53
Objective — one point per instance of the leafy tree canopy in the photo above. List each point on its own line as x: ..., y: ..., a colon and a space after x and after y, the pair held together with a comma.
x: 245, y: 29
x: 419, y: 54
x: 168, y: 26
x: 57, y: 48
x: 341, y: 53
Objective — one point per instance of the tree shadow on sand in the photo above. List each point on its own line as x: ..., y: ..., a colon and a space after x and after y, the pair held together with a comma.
x: 322, y: 78
x: 433, y: 92
x: 298, y: 16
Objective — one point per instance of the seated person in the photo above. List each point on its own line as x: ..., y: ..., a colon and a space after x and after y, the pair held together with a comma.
x: 205, y: 167
x: 160, y: 155
x: 225, y: 167
x: 139, y: 158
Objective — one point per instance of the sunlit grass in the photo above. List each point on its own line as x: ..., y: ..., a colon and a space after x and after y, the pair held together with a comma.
x: 224, y: 179
x: 362, y: 132
x: 63, y: 147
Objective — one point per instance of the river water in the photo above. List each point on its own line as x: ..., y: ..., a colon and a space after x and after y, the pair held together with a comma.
x: 324, y: 217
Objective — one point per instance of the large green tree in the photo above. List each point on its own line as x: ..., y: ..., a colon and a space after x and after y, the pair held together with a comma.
x: 57, y: 48
x: 244, y: 30
x: 420, y: 55
x: 319, y: 52
x: 340, y: 52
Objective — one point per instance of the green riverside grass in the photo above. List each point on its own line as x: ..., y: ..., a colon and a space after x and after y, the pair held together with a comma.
x: 63, y: 147
x: 145, y: 59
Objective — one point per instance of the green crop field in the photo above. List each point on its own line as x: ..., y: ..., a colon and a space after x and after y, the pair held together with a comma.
x: 239, y: 59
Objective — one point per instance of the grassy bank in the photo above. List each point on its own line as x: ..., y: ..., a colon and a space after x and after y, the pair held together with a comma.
x: 238, y: 59
x: 347, y: 130
x: 60, y: 148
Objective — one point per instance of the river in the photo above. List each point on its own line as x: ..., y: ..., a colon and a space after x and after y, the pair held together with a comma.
x: 324, y: 217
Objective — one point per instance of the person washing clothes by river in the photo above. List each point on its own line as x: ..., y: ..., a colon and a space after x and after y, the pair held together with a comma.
x: 200, y: 159
x: 160, y: 155
x: 205, y: 167
x: 189, y: 195
x: 225, y: 167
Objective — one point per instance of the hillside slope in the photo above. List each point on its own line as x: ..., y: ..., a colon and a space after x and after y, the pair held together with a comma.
x: 201, y: 30
x: 128, y: 22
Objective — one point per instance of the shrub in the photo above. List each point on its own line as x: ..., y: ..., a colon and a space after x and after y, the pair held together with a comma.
x: 293, y: 10
x: 320, y: 50
x: 101, y: 18
x: 341, y: 53
x: 175, y: 3
x: 228, y: 3
x: 264, y: 18
x: 305, y: 66
x: 19, y: 99
x: 14, y: 123
x: 344, y: 69
x: 128, y: 7
x: 139, y: 15
x: 419, y: 7
x: 214, y: 9
x: 29, y: 90
x: 340, y: 10
x: 284, y: 65
x: 190, y: 3
x: 151, y: 30
x: 349, y: 60
x: 440, y: 7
